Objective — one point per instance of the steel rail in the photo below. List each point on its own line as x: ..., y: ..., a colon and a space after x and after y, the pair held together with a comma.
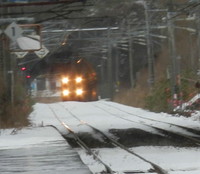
x: 151, y: 119
x: 81, y: 143
x: 196, y: 141
x: 157, y: 168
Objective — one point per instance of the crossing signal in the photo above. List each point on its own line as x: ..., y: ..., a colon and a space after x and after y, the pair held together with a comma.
x: 23, y: 68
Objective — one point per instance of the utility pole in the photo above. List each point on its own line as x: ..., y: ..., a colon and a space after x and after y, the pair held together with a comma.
x: 132, y: 80
x: 117, y: 70
x: 109, y: 65
x: 174, y: 72
x: 3, y: 48
x: 150, y: 58
x: 1, y: 56
x: 192, y: 57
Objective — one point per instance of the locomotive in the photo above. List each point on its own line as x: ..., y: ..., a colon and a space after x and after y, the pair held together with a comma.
x: 79, y: 81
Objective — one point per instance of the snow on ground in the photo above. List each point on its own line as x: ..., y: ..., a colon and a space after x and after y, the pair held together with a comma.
x: 179, y: 120
x: 118, y: 159
x: 91, y: 112
x: 46, y: 140
x: 10, y: 137
x: 174, y: 160
x: 38, y: 151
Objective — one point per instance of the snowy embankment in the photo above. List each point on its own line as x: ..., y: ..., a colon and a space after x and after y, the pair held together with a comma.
x: 42, y: 149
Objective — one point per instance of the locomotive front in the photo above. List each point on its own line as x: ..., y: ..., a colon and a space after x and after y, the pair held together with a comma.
x: 79, y: 82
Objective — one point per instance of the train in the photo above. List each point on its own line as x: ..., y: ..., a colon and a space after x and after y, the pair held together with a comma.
x: 78, y: 81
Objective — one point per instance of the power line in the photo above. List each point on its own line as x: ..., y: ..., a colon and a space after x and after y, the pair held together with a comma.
x: 60, y: 8
x: 38, y: 3
x: 180, y: 11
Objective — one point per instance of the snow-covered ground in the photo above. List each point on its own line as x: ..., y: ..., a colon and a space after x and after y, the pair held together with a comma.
x: 38, y: 151
x: 41, y: 149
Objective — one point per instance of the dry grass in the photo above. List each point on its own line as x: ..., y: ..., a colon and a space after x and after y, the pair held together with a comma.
x: 47, y: 99
x: 135, y: 96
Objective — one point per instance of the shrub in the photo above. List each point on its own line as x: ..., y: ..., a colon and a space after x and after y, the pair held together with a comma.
x: 159, y: 97
x: 14, y: 114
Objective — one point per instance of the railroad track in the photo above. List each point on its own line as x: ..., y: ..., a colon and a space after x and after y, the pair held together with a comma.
x: 186, y: 133
x: 108, y: 170
x: 154, y: 167
x: 151, y: 119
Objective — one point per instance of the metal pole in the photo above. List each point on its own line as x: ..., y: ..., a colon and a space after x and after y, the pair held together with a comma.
x: 172, y: 54
x: 102, y: 78
x: 12, y: 87
x: 193, y: 65
x: 132, y: 81
x: 4, y: 60
x: 178, y: 81
x: 198, y: 39
x: 109, y: 66
x: 149, y: 51
x: 117, y: 70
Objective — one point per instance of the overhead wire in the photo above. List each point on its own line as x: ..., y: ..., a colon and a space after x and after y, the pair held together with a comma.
x: 182, y: 10
x: 5, y: 5
x: 64, y: 34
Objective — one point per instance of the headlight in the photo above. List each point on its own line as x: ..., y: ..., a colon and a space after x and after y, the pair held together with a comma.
x: 65, y: 92
x: 79, y: 92
x: 78, y: 79
x: 65, y: 80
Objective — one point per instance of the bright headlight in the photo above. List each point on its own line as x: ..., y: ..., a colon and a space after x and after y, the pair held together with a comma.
x: 79, y: 92
x: 65, y: 92
x: 78, y: 79
x: 65, y: 80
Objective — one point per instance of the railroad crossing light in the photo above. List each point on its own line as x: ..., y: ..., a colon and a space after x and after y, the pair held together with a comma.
x: 28, y: 76
x: 23, y: 68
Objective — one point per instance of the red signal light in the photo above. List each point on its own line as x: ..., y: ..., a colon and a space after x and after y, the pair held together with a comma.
x: 23, y: 68
x: 28, y: 76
